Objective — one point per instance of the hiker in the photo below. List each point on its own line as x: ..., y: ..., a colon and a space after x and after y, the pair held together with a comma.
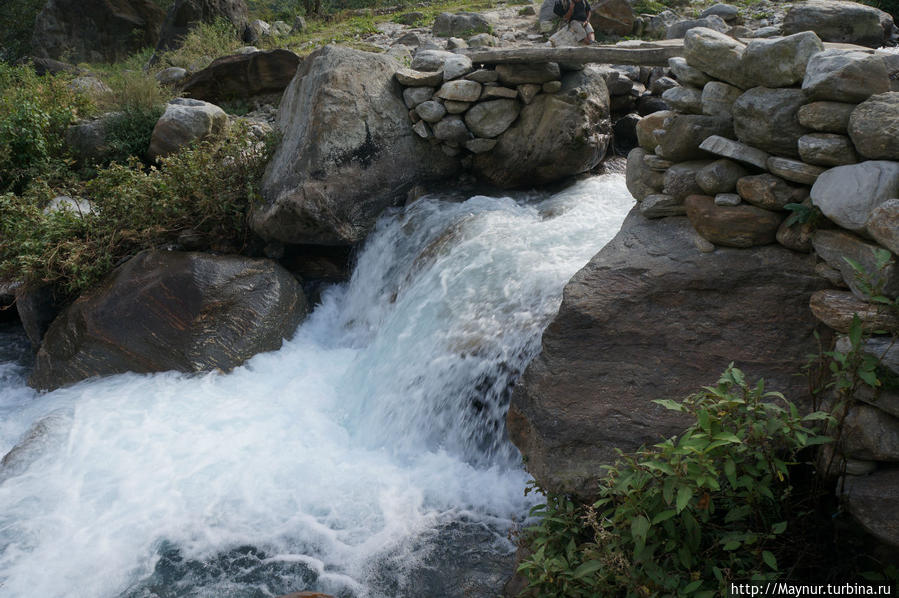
x: 577, y: 15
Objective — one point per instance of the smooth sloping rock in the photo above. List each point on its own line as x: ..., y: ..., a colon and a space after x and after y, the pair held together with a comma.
x: 331, y: 176
x: 243, y: 76
x: 732, y: 226
x: 518, y: 74
x: 721, y: 146
x: 720, y: 176
x: 590, y: 390
x: 641, y: 180
x: 845, y: 76
x: 184, y: 15
x: 769, y: 192
x: 780, y: 62
x: 684, y: 133
x: 794, y: 170
x: 461, y: 24
x: 827, y: 117
x: 837, y: 21
x: 836, y: 246
x: 183, y: 122
x: 848, y: 194
x: 874, y: 127
x: 883, y: 225
x: 718, y: 98
x: 612, y: 16
x: 766, y: 118
x: 827, y: 149
x: 836, y: 309
x: 490, y: 119
x: 716, y: 54
x: 95, y: 30
x: 555, y: 136
x: 873, y: 501
x: 168, y: 310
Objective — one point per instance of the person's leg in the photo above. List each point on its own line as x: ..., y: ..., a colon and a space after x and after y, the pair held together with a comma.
x: 590, y: 37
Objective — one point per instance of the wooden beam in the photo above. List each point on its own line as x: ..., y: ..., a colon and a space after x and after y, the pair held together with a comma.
x: 643, y: 55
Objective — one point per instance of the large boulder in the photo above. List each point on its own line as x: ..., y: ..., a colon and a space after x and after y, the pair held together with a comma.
x: 184, y: 15
x: 183, y: 122
x: 653, y: 317
x: 613, y: 16
x: 167, y: 310
x: 461, y: 24
x: 716, y: 54
x: 838, y: 21
x: 766, y: 119
x: 243, y: 76
x: 555, y: 136
x: 780, y: 62
x: 348, y: 151
x: 95, y: 30
x: 874, y: 127
x: 848, y: 194
x: 845, y: 76
x: 873, y: 501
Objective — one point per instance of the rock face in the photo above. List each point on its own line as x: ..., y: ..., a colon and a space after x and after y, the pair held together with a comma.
x: 185, y: 121
x: 186, y: 14
x: 332, y: 175
x: 874, y: 502
x: 837, y: 21
x: 95, y: 30
x: 555, y: 136
x: 171, y: 311
x: 590, y: 389
x: 742, y: 225
x: 243, y: 76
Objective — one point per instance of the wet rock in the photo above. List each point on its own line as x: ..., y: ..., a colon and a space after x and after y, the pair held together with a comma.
x: 37, y: 305
x: 845, y: 76
x: 331, y: 176
x: 769, y: 192
x: 837, y: 21
x: 590, y: 390
x: 827, y: 149
x: 766, y: 118
x: 721, y: 146
x: 736, y: 226
x: 780, y: 62
x: 848, y: 194
x: 874, y: 127
x: 171, y: 311
x: 827, y: 117
x: 185, y: 121
x: 243, y: 76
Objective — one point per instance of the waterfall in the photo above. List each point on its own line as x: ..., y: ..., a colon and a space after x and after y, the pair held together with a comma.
x: 365, y: 458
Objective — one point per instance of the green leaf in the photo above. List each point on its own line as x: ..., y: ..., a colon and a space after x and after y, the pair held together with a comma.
x: 664, y: 516
x: 669, y: 404
x: 692, y: 587
x: 731, y: 545
x: 727, y: 437
x: 779, y: 528
x: 684, y: 494
x: 769, y: 559
x: 587, y: 568
x: 730, y: 470
x: 640, y: 527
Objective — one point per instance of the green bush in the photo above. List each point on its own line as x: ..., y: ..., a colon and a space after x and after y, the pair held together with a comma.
x: 34, y: 115
x: 686, y: 516
x: 204, y: 191
x: 16, y: 26
x: 204, y: 43
x: 890, y: 6
x: 129, y: 134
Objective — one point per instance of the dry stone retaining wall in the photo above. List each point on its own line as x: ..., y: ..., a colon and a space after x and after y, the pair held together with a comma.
x: 759, y: 129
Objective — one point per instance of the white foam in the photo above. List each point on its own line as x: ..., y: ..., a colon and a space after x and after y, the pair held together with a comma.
x: 353, y: 440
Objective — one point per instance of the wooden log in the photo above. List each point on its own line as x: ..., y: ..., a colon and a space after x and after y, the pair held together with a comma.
x: 648, y: 55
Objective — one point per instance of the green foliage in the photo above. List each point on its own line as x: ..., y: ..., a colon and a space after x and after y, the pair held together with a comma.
x: 205, y: 190
x: 203, y: 44
x: 129, y: 133
x: 16, y: 26
x: 686, y: 516
x: 890, y: 6
x: 34, y: 115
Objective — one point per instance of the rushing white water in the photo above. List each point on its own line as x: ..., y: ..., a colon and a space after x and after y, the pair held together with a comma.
x: 345, y: 462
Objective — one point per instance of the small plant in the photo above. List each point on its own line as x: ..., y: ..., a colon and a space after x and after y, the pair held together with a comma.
x: 202, y: 44
x: 687, y: 516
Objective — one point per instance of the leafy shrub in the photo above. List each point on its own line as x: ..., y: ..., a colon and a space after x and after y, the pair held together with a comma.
x: 204, y: 43
x: 686, y: 516
x: 204, y: 191
x: 134, y: 91
x: 129, y: 134
x: 34, y: 115
x: 890, y: 6
x: 16, y: 26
